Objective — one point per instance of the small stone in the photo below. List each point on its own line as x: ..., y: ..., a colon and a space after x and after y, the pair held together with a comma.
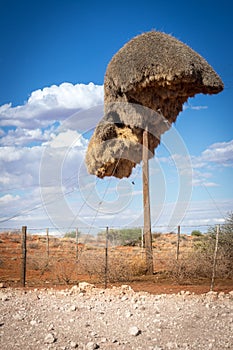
x: 2, y: 285
x: 103, y: 340
x: 49, y: 338
x: 221, y: 295
x: 134, y: 331
x: 3, y: 296
x: 18, y: 317
x: 50, y: 327
x: 128, y: 314
x: 73, y: 344
x: 33, y: 322
x: 92, y: 346
x: 74, y: 290
x: 84, y: 286
x: 73, y: 308
x: 126, y: 287
x: 94, y: 334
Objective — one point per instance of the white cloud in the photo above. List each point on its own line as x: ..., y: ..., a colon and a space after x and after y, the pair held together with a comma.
x: 205, y: 166
x: 69, y: 138
x: 8, y: 199
x: 195, y: 108
x: 21, y: 136
x: 50, y: 104
x: 68, y: 95
x: 219, y: 153
x: 19, y: 166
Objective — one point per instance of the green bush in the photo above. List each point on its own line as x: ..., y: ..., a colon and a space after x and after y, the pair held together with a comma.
x: 71, y: 234
x: 196, y: 233
x: 127, y: 236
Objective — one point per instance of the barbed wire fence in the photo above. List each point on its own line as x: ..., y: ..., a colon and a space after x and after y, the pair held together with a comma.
x: 33, y: 256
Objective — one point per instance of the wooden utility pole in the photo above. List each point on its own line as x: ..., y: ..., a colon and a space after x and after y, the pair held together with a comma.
x: 24, y: 255
x: 146, y: 203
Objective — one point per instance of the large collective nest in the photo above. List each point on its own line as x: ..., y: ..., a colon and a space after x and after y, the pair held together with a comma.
x: 146, y: 84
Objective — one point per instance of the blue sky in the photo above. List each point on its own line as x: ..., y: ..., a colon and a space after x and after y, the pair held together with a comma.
x: 52, y: 63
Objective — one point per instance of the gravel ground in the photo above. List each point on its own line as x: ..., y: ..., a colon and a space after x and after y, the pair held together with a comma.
x: 88, y: 318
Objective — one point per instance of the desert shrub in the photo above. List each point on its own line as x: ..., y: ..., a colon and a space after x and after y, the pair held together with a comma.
x: 55, y: 243
x: 156, y: 235
x: 206, y: 246
x: 93, y: 264
x: 199, y: 263
x: 16, y: 239
x: 33, y: 245
x: 192, y: 267
x: 121, y: 266
x: 38, y: 262
x: 65, y: 271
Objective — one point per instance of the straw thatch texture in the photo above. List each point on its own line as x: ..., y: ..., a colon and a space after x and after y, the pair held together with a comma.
x: 146, y: 84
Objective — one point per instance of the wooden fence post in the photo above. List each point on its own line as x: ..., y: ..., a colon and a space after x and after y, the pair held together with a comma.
x: 215, y: 258
x: 24, y: 255
x: 76, y: 241
x: 178, y: 243
x: 106, y: 260
x: 47, y: 243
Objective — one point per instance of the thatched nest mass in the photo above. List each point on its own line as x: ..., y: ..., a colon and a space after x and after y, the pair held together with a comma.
x: 145, y: 86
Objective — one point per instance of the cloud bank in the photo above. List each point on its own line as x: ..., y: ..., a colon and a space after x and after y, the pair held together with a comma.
x: 54, y: 103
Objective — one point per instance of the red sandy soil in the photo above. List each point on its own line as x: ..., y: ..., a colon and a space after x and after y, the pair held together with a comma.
x: 62, y: 253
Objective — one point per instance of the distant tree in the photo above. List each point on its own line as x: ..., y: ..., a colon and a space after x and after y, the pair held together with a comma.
x: 196, y: 233
x: 71, y: 234
x: 127, y: 236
